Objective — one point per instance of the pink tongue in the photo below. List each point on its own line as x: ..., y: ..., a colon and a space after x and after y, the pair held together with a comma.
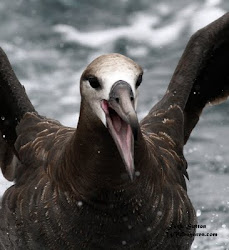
x: 117, y: 123
x: 124, y: 137
x: 122, y: 134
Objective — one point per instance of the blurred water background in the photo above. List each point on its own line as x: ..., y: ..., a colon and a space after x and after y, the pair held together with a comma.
x: 50, y: 42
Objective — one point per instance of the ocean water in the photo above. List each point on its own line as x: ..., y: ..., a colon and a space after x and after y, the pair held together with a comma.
x: 49, y: 43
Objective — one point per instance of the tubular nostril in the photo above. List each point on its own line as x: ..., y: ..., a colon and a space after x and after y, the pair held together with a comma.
x: 117, y: 99
x: 131, y: 98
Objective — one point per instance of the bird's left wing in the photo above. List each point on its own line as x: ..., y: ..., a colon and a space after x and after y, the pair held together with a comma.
x: 201, y: 77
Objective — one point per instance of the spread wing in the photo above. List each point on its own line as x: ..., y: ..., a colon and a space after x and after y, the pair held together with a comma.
x: 23, y: 133
x: 14, y: 103
x: 201, y: 77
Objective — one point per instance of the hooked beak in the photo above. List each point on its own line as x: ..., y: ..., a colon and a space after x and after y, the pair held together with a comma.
x: 122, y: 122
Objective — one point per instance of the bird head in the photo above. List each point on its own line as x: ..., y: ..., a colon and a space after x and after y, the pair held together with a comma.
x: 110, y: 86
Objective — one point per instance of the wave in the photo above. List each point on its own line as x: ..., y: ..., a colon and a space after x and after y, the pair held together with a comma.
x: 145, y: 28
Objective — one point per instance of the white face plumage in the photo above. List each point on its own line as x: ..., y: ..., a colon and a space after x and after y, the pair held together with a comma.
x: 99, y: 77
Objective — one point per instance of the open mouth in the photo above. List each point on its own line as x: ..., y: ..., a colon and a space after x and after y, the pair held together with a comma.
x: 122, y: 135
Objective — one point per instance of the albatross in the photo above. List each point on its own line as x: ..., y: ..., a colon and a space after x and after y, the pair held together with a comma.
x: 114, y: 182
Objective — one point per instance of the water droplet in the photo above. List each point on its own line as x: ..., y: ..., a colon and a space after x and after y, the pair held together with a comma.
x: 198, y: 212
x: 124, y: 242
x: 159, y: 213
x: 80, y: 203
x: 35, y: 187
x: 149, y: 229
x: 137, y: 173
x: 3, y: 118
x: 98, y: 152
x: 3, y: 136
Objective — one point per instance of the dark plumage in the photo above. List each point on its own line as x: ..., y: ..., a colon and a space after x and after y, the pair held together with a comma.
x: 72, y: 189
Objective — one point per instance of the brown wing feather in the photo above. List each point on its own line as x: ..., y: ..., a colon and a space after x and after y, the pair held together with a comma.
x: 14, y: 103
x: 40, y: 140
x: 201, y: 77
x: 8, y: 160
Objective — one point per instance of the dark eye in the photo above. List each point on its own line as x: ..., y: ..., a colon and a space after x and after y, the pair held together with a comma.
x: 94, y: 82
x: 139, y: 80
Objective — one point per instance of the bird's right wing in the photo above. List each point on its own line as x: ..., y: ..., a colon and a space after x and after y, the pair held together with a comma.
x: 26, y: 138
x: 40, y: 144
x: 201, y: 77
x: 14, y: 103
